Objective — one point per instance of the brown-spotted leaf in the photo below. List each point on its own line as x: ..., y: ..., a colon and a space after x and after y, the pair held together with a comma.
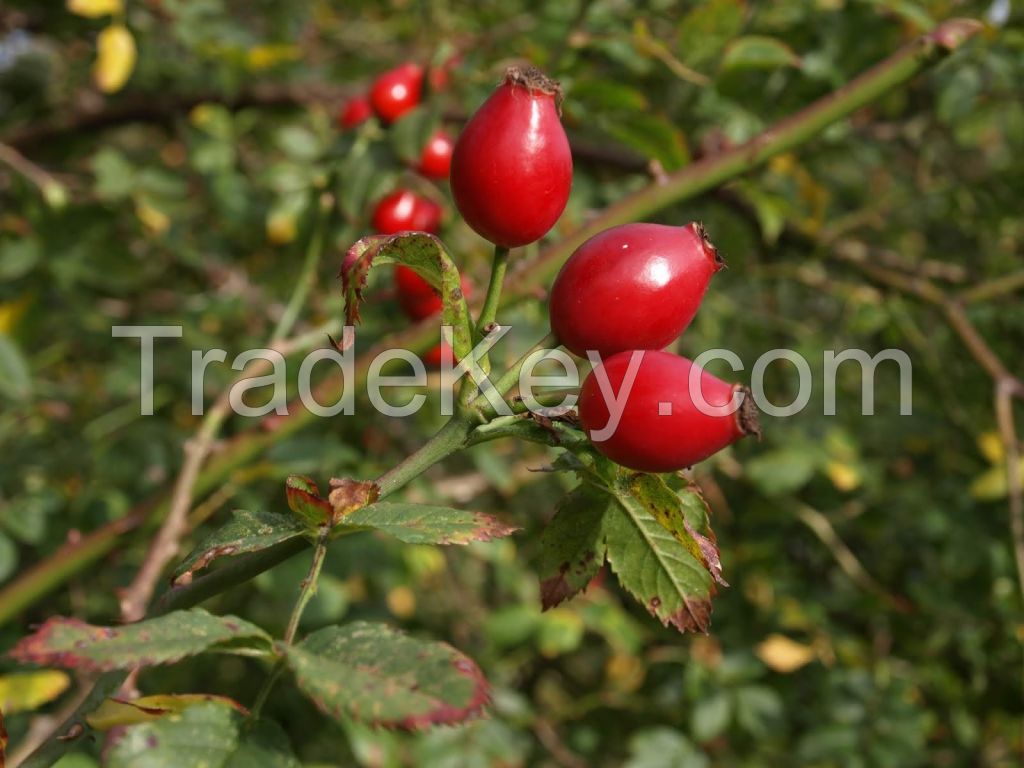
x: 425, y: 524
x: 73, y: 644
x: 426, y: 255
x: 348, y: 495
x: 572, y: 545
x: 305, y: 501
x: 247, y: 531
x: 383, y: 677
x: 683, y: 514
x: 116, y: 713
x: 672, y: 579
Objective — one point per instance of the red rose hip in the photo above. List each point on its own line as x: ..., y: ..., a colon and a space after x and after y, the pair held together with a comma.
x: 417, y: 297
x: 405, y: 211
x: 651, y: 421
x: 397, y: 91
x: 512, y: 168
x: 355, y: 111
x: 436, y: 159
x: 636, y: 286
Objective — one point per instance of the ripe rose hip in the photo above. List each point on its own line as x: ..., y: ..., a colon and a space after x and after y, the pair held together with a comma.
x: 636, y: 286
x: 416, y: 296
x: 434, y: 357
x: 397, y: 91
x: 436, y: 159
x: 355, y: 111
x: 511, y: 168
x: 405, y: 211
x: 661, y: 428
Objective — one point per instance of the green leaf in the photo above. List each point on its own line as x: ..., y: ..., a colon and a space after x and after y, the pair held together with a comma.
x: 245, y: 532
x: 409, y: 135
x: 423, y: 524
x: 653, y: 136
x: 305, y: 501
x: 711, y: 716
x: 784, y: 470
x: 426, y: 255
x: 661, y: 746
x: 758, y: 52
x: 15, y: 379
x: 658, y: 556
x: 378, y: 675
x: 705, y: 30
x: 363, y: 177
x: 117, y: 713
x: 572, y: 545
x: 211, y: 735
x: 73, y: 644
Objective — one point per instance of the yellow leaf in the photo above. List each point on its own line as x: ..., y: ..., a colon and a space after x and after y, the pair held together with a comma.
x: 401, y: 602
x: 153, y: 219
x: 281, y: 227
x: 113, y: 713
x: 991, y: 447
x: 27, y: 691
x: 625, y: 672
x: 843, y: 476
x: 93, y: 9
x: 11, y: 312
x: 267, y: 56
x: 115, y: 58
x: 992, y: 485
x: 784, y: 655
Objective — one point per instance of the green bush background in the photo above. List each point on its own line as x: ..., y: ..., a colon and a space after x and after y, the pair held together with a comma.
x: 913, y: 652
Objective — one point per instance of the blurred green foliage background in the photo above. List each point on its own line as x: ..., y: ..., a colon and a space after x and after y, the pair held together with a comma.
x: 874, y: 617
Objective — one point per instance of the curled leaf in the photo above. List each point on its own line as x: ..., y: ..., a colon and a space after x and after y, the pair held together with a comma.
x: 115, y: 713
x: 348, y: 495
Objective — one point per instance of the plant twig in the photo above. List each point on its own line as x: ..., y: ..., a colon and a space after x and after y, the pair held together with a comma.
x: 306, y: 592
x: 137, y: 595
x: 53, y: 192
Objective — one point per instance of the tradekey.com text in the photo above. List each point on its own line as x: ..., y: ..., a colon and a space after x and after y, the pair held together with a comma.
x: 532, y: 384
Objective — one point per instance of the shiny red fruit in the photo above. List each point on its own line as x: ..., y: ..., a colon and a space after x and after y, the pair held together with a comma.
x: 442, y: 351
x: 436, y: 159
x: 405, y: 211
x: 636, y: 286
x: 397, y: 91
x: 661, y: 427
x: 416, y: 296
x: 355, y: 111
x: 512, y: 168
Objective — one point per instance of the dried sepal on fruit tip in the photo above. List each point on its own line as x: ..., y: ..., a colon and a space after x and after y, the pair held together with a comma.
x: 534, y: 80
x: 747, y: 416
x: 701, y: 231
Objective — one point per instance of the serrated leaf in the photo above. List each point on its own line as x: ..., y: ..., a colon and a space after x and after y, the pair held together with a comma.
x: 116, y: 713
x: 410, y: 134
x: 211, y: 735
x: 378, y: 675
x: 671, y: 579
x: 73, y: 644
x: 758, y: 52
x: 685, y: 515
x: 572, y: 545
x: 424, y: 524
x: 115, y: 58
x: 245, y: 532
x: 305, y: 501
x: 426, y: 255
x: 28, y: 691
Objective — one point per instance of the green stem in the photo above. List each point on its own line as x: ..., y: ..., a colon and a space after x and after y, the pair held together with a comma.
x: 449, y: 439
x: 510, y: 378
x: 493, y: 298
x: 307, y: 277
x: 309, y: 585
